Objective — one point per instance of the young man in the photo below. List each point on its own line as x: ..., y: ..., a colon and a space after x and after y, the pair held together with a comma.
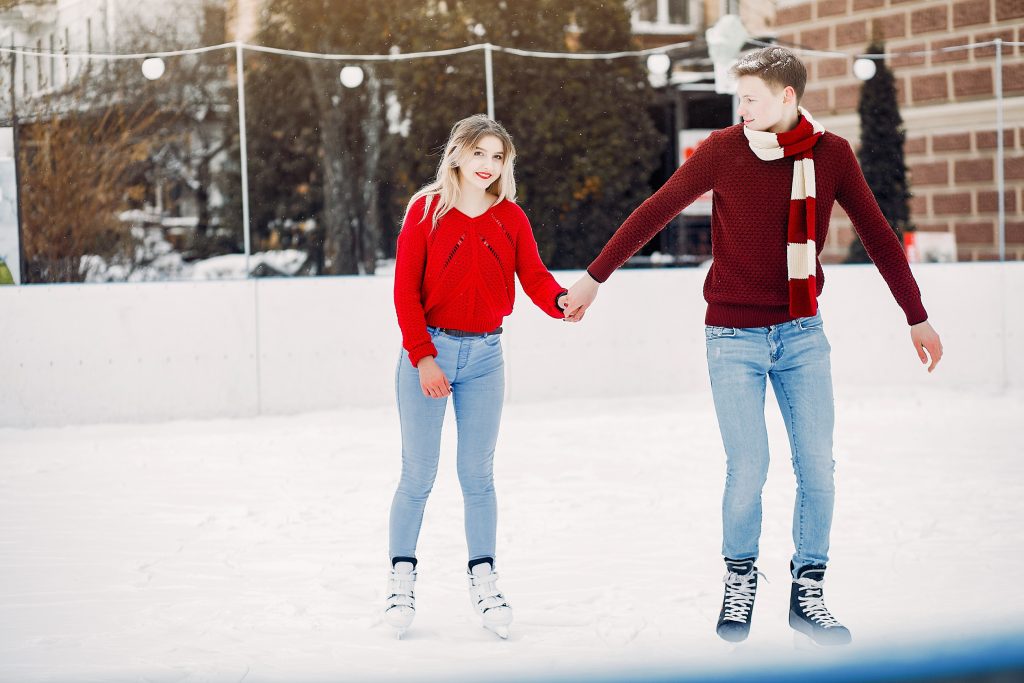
x: 775, y: 178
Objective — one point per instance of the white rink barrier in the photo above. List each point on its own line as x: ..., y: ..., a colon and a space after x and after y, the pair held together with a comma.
x: 159, y: 351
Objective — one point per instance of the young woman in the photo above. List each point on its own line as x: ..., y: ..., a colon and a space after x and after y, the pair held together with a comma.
x: 462, y: 239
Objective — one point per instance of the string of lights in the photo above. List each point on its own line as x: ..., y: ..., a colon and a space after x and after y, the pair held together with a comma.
x: 658, y: 61
x: 885, y: 55
x: 390, y: 57
x: 400, y: 56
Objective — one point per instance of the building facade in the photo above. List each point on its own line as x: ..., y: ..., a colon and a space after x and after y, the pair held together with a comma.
x: 71, y: 27
x: 947, y: 99
x: 947, y: 95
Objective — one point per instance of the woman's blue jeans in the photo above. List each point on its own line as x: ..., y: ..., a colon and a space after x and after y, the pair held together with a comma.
x: 475, y: 368
x: 795, y: 357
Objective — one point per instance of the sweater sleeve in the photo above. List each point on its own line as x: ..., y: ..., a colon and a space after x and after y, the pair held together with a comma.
x: 410, y: 264
x: 692, y: 179
x: 537, y: 281
x: 880, y: 242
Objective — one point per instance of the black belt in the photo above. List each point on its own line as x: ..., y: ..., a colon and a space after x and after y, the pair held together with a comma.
x: 461, y: 333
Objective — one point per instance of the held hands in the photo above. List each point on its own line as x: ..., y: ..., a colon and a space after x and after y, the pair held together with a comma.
x: 579, y: 298
x: 926, y: 343
x: 432, y: 378
x: 562, y: 302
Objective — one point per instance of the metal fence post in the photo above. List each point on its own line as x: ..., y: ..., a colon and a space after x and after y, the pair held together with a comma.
x: 243, y: 153
x: 1000, y: 180
x: 489, y: 71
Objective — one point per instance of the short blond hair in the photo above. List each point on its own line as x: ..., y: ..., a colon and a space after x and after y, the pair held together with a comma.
x: 776, y: 66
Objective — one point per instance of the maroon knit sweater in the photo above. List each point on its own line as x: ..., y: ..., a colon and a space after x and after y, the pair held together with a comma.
x: 747, y: 283
x: 459, y: 274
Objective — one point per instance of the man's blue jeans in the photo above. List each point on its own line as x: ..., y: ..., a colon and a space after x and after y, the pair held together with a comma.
x: 795, y: 357
x: 475, y: 368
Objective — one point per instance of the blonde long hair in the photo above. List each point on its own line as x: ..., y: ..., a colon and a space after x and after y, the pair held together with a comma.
x: 464, y: 136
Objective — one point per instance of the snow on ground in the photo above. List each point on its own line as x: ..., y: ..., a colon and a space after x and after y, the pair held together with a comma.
x: 157, y: 261
x: 255, y: 549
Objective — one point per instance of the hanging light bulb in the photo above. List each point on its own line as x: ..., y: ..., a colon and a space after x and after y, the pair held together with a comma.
x: 153, y: 68
x: 351, y: 76
x: 659, y: 64
x: 864, y: 68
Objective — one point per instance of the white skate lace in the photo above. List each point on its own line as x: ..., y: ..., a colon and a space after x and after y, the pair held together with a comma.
x: 813, y: 603
x: 400, y: 589
x: 739, y: 595
x: 487, y: 594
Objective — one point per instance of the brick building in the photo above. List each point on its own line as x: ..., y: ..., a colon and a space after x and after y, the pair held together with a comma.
x: 947, y: 100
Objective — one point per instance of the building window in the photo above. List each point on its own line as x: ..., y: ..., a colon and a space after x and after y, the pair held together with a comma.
x: 665, y: 12
x: 647, y: 10
x: 678, y: 11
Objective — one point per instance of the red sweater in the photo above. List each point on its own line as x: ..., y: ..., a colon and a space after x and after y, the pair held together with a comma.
x: 459, y: 275
x: 747, y: 283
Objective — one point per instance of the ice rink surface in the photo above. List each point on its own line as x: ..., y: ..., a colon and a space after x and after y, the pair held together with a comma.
x: 255, y: 549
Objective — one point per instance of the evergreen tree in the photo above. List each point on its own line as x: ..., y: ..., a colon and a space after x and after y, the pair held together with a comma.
x: 586, y: 143
x: 348, y: 124
x: 283, y: 149
x: 432, y: 93
x: 881, y: 152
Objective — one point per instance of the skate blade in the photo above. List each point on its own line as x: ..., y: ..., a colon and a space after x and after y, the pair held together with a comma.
x: 804, y: 643
x: 500, y: 631
x: 732, y: 638
x: 399, y: 618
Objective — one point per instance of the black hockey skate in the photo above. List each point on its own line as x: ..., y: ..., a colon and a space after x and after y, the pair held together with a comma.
x: 738, y: 602
x: 807, y: 611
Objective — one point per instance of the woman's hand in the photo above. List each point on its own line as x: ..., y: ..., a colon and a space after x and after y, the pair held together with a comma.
x: 563, y: 303
x: 432, y: 378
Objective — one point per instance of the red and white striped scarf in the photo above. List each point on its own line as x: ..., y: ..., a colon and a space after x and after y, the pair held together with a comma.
x: 801, y: 250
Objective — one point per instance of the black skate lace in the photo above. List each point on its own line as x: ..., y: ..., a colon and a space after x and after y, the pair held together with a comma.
x: 739, y: 595
x: 812, y: 602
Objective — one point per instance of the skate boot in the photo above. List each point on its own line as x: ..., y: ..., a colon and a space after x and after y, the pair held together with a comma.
x: 807, y: 611
x: 400, y: 607
x: 487, y: 600
x: 738, y: 603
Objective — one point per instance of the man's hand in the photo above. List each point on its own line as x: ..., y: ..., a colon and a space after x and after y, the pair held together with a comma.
x: 432, y: 378
x: 926, y: 343
x: 579, y: 298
